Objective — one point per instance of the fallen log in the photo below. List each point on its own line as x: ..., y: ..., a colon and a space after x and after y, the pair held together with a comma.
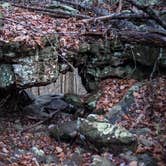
x: 52, y: 13
x: 150, y: 38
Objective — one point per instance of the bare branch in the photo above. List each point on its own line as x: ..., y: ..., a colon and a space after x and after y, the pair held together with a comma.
x: 53, y: 13
x: 117, y: 16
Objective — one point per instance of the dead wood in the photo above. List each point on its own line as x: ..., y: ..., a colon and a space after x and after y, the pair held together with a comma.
x: 149, y: 38
x: 52, y: 13
x: 150, y: 12
x: 41, y: 122
x: 117, y: 16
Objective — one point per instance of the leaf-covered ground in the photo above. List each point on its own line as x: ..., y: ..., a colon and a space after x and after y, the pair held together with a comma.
x: 29, y: 28
x: 18, y: 148
x: 147, y: 112
x: 112, y: 92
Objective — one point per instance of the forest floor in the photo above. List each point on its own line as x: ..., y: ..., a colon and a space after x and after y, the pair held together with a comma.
x: 35, y: 147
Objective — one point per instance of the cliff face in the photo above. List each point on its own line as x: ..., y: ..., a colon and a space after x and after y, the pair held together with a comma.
x: 29, y: 68
x: 96, y: 60
x: 31, y: 56
x: 102, y: 59
x: 28, y: 44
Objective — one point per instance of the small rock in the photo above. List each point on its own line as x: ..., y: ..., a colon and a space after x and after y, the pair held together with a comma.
x: 122, y: 87
x: 146, y: 159
x: 76, y: 159
x: 4, y: 150
x: 58, y: 149
x: 141, y: 131
x: 51, y: 159
x: 144, y: 141
x: 133, y: 163
x: 37, y: 151
x: 101, y: 161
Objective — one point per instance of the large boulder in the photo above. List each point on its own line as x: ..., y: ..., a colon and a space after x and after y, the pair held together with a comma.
x: 117, y: 112
x: 146, y: 55
x: 95, y: 132
x: 38, y: 68
x: 76, y: 104
x: 103, y: 134
x: 27, y: 67
x: 43, y: 106
x: 106, y: 58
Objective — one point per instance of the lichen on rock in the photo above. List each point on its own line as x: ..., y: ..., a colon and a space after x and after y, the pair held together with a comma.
x: 7, y: 77
x: 104, y: 133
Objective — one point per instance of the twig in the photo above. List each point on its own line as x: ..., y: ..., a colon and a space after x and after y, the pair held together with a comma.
x: 155, y: 64
x: 40, y: 122
x: 59, y: 54
x: 134, y: 59
x: 3, y: 101
x: 119, y: 8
